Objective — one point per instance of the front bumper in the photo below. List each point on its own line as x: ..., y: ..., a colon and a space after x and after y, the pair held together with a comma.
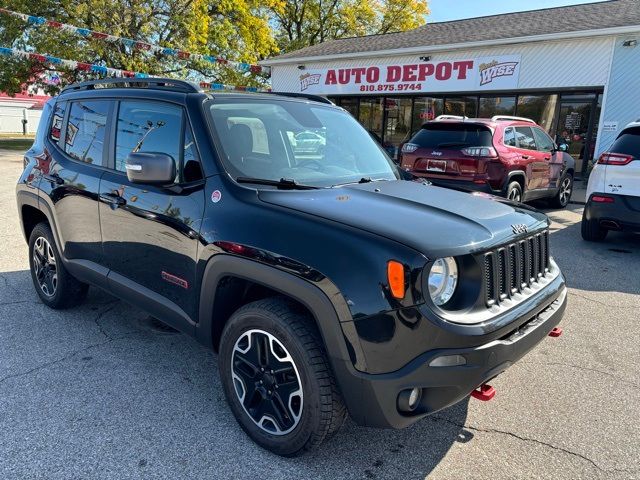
x: 623, y: 212
x: 372, y: 398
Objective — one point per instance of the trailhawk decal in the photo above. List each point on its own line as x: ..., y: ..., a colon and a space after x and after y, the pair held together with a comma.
x: 482, y: 73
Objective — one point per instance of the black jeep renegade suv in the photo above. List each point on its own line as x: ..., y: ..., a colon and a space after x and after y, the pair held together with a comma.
x: 326, y: 281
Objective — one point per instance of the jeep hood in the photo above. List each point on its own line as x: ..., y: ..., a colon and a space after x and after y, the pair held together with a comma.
x: 434, y: 221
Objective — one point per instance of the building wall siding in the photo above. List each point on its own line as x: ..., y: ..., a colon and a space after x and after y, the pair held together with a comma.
x: 622, y: 95
x: 558, y: 64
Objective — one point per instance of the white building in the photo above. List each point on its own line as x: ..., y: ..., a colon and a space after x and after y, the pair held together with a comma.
x: 575, y: 70
x: 23, y: 106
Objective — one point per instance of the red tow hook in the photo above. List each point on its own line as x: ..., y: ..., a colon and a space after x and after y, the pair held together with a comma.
x: 556, y: 332
x: 485, y: 392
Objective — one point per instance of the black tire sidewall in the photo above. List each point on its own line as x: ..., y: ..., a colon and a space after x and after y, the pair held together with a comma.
x: 42, y: 230
x: 556, y: 200
x: 514, y: 186
x: 293, y: 442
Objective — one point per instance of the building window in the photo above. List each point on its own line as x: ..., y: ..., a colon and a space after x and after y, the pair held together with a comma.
x: 370, y: 115
x: 425, y: 109
x: 397, y: 129
x: 463, y: 106
x: 539, y: 108
x: 350, y: 104
x: 490, y: 106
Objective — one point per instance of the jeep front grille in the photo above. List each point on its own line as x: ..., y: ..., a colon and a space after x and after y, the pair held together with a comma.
x: 512, y: 268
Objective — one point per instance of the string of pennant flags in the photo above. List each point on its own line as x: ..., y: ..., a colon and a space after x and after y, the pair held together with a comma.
x: 108, y: 71
x: 135, y: 44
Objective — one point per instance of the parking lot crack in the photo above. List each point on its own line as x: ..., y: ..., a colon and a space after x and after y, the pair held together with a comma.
x: 604, y: 304
x: 585, y: 369
x: 526, y: 439
x: 97, y: 319
x: 61, y: 359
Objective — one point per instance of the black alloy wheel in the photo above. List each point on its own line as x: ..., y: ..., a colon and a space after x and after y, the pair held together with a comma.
x: 267, y: 382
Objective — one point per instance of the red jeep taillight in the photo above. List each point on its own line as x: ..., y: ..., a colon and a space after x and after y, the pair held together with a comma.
x: 614, y: 159
x: 480, y: 152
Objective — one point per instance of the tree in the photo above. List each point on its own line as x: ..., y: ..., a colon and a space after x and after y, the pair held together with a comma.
x: 300, y: 23
x: 233, y: 29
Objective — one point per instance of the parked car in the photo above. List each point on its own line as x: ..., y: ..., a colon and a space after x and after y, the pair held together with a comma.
x: 613, y: 192
x: 326, y: 285
x: 309, y: 142
x: 507, y: 156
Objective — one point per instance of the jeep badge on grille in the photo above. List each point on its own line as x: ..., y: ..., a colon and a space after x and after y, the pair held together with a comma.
x: 519, y: 228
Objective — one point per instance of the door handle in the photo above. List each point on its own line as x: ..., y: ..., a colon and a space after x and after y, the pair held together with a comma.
x: 547, y: 158
x: 112, y: 199
x: 526, y: 157
x: 53, y: 178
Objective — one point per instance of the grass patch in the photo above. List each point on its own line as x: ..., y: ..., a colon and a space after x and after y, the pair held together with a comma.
x: 19, y: 144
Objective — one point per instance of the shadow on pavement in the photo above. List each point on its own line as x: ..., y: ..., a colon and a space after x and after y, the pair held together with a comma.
x: 105, y: 366
x: 611, y: 265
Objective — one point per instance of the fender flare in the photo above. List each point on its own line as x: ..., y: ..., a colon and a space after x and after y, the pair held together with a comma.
x: 515, y: 173
x: 339, y: 338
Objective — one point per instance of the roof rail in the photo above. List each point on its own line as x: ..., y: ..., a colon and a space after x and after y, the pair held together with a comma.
x: 498, y: 118
x: 147, y: 82
x: 449, y: 117
x: 314, y: 98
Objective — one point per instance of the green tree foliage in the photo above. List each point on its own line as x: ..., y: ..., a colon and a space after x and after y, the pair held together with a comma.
x: 240, y: 30
x: 300, y: 23
x: 233, y: 29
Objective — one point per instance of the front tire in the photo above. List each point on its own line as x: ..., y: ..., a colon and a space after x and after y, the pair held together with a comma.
x: 561, y: 199
x: 277, y: 379
x: 55, y: 286
x: 514, y: 192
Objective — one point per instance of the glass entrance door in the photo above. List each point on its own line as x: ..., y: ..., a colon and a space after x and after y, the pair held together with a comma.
x: 574, y: 129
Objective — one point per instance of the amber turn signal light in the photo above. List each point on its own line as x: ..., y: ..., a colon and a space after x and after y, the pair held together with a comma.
x: 395, y: 275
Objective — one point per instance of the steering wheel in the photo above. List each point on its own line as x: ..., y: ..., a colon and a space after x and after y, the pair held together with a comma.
x: 306, y: 163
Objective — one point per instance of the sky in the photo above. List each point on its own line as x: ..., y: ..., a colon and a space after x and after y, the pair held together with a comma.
x: 444, y: 10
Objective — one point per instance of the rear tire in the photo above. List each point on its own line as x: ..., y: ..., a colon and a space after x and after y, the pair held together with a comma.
x: 299, y: 406
x: 591, y: 230
x: 514, y: 192
x: 562, y: 197
x: 55, y: 286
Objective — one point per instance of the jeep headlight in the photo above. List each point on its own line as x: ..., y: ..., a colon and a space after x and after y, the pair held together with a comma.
x: 443, y: 279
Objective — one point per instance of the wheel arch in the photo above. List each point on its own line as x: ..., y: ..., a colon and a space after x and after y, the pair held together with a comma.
x: 233, y: 273
x: 519, y: 176
x: 341, y: 344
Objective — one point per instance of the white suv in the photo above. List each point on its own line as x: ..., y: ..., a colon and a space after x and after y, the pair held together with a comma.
x: 613, y: 192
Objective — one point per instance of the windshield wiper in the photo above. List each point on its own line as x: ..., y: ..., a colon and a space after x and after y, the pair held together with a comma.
x: 362, y: 180
x: 283, y: 183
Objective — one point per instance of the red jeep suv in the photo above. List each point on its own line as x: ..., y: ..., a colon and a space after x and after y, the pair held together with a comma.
x: 508, y: 156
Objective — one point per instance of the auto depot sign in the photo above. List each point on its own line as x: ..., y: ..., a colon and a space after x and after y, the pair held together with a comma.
x: 484, y: 73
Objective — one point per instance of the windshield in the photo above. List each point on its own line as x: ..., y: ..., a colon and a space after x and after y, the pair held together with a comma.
x: 310, y: 144
x: 443, y: 135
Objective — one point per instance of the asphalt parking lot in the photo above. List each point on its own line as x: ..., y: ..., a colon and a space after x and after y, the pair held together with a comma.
x: 100, y: 391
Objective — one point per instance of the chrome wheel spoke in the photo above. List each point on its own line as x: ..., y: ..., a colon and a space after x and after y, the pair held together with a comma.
x: 44, y: 266
x: 267, y: 382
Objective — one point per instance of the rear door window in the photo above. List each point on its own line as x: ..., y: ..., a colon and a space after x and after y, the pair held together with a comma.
x: 453, y: 135
x: 628, y: 143
x: 84, y: 139
x: 524, y: 138
x: 510, y: 137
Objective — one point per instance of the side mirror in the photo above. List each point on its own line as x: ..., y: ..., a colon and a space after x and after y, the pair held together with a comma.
x: 563, y: 147
x: 150, y: 168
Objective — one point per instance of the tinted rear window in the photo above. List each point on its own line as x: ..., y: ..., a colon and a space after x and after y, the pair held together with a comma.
x: 628, y: 143
x: 452, y: 135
